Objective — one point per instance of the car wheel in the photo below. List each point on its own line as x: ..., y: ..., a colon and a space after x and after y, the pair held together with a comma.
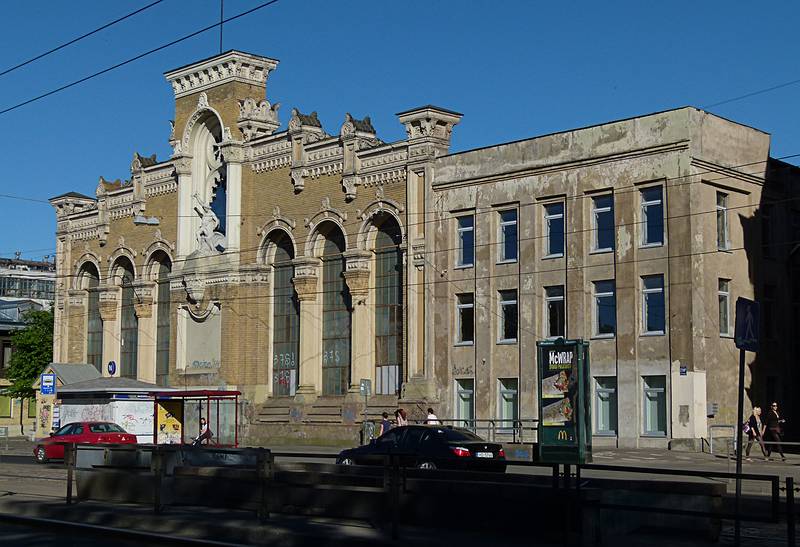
x: 41, y: 455
x: 427, y: 465
x: 347, y: 461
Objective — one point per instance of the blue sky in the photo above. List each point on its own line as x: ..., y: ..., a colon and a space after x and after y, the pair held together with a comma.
x: 514, y: 69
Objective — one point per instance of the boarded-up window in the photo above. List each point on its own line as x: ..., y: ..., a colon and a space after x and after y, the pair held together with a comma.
x: 5, y: 406
x: 388, y: 308
x: 162, y: 321
x: 285, y: 321
x: 335, y: 317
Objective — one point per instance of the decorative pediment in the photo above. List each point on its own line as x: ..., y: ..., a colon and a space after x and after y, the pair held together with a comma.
x: 141, y: 162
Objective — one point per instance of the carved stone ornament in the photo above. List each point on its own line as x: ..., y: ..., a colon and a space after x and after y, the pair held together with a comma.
x: 349, y: 184
x: 143, y: 305
x: 298, y: 181
x: 257, y: 119
x: 202, y: 101
x: 107, y: 306
x: 357, y: 274
x: 194, y: 287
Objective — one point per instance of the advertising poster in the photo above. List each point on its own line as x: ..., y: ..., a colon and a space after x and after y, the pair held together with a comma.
x: 170, y: 422
x: 559, y: 393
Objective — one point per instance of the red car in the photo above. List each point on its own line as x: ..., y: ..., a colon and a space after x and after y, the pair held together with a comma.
x: 52, y: 448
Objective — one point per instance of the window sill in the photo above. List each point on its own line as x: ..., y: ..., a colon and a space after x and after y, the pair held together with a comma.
x: 601, y: 252
x: 651, y: 245
x: 463, y: 344
x: 463, y: 266
x: 654, y: 435
x: 604, y: 434
x: 726, y: 335
x: 508, y: 261
x: 603, y: 337
x: 654, y: 333
x: 725, y: 250
x: 508, y: 342
x: 551, y: 257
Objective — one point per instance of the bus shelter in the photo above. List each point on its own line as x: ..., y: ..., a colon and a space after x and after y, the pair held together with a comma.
x: 177, y: 416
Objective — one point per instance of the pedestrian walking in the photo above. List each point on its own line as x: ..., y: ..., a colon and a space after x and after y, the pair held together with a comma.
x: 755, y: 432
x: 386, y: 425
x: 400, y: 417
x: 774, y: 431
x: 432, y: 419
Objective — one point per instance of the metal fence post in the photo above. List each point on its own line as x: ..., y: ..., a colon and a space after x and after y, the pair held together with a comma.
x: 265, y: 468
x: 157, y: 466
x: 790, y: 516
x: 70, y: 453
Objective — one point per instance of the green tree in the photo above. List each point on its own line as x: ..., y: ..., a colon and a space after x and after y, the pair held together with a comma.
x: 33, y: 351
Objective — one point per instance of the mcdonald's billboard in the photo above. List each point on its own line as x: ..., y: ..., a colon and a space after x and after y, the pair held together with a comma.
x: 564, y: 406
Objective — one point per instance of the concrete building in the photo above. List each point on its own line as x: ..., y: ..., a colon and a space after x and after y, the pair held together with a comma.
x: 292, y: 263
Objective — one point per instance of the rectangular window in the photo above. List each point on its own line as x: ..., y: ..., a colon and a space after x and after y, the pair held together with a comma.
x: 653, y: 309
x: 465, y: 403
x: 508, y: 236
x: 723, y: 240
x: 606, y: 405
x: 465, y: 318
x: 655, y: 405
x: 768, y: 312
x: 508, y: 316
x: 554, y: 224
x: 31, y: 408
x: 724, y: 298
x: 652, y: 216
x: 766, y: 230
x: 554, y: 311
x: 605, y: 308
x: 508, y: 403
x: 5, y: 406
x: 6, y: 354
x: 466, y: 241
x: 603, y: 223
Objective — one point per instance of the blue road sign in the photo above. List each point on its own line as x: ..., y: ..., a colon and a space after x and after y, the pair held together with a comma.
x: 112, y: 368
x: 48, y: 384
x: 745, y: 335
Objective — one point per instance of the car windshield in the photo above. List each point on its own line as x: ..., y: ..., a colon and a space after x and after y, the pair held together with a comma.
x: 459, y: 435
x: 105, y: 428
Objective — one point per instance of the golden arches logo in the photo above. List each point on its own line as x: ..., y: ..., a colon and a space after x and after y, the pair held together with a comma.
x: 562, y: 435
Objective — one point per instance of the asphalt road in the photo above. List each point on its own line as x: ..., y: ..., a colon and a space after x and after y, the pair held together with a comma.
x: 40, y: 536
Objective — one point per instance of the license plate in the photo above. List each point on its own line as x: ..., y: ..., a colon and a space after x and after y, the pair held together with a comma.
x: 484, y: 455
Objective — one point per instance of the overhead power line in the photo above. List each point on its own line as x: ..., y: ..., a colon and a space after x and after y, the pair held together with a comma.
x: 752, y: 94
x: 79, y: 38
x: 136, y: 58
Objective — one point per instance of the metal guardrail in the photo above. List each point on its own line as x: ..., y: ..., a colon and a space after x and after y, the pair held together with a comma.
x: 394, y: 476
x: 491, y: 428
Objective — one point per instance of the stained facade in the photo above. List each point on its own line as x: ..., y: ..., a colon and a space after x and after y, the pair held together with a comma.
x: 293, y: 263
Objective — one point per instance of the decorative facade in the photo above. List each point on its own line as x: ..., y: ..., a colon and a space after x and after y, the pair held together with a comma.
x: 292, y: 264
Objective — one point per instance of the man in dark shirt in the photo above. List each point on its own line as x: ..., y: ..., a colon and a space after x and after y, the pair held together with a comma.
x: 774, y: 430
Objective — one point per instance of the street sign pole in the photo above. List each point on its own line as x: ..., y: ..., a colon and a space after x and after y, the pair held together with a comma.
x: 745, y: 337
x: 740, y: 414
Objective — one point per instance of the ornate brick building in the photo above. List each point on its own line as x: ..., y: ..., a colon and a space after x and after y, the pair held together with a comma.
x: 290, y: 264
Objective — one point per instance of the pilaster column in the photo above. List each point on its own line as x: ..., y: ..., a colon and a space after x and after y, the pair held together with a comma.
x: 306, y: 283
x: 362, y: 335
x: 75, y: 329
x: 233, y: 153
x: 185, y: 234
x: 146, y: 352
x: 109, y: 312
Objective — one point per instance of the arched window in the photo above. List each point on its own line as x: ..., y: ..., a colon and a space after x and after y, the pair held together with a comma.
x: 162, y: 267
x: 129, y: 323
x: 388, y: 307
x: 285, y: 319
x: 90, y: 279
x: 335, y: 316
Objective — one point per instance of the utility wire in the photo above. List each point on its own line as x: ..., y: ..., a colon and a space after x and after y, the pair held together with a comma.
x: 752, y: 94
x: 136, y: 58
x: 79, y: 38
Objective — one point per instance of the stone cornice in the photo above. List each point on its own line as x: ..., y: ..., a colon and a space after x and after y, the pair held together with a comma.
x: 232, y: 66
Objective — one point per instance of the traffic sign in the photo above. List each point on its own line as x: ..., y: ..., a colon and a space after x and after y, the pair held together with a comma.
x: 745, y: 334
x: 48, y: 384
x: 112, y: 368
x: 365, y: 387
